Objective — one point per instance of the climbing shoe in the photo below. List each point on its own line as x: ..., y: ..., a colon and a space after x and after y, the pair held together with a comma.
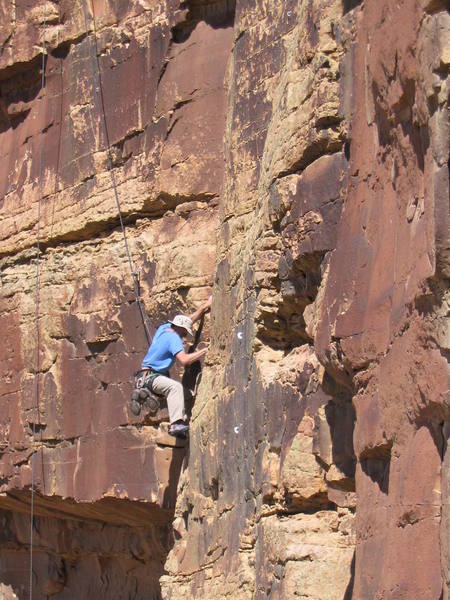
x: 179, y: 429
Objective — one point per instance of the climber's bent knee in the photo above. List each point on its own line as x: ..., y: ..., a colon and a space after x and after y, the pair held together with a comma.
x: 174, y: 394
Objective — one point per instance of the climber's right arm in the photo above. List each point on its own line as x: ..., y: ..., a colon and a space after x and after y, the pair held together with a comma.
x: 187, y: 359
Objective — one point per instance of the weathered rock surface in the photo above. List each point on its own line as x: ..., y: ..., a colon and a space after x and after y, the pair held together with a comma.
x: 294, y: 157
x: 330, y: 253
x: 105, y: 488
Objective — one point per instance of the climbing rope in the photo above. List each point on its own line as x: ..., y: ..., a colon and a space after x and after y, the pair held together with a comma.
x: 37, y: 364
x: 98, y: 89
x: 134, y: 274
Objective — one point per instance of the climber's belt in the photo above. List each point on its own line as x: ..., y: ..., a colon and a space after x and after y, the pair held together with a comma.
x: 145, y: 378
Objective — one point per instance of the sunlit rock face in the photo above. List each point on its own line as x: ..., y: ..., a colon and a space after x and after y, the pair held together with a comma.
x: 293, y: 158
x: 145, y: 80
x: 318, y: 462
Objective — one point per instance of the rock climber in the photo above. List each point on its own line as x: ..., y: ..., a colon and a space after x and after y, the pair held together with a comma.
x: 166, y: 347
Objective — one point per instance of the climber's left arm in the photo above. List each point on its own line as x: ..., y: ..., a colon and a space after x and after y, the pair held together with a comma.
x: 202, y: 310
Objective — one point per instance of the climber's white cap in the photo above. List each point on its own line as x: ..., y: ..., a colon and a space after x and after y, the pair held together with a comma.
x: 184, y: 322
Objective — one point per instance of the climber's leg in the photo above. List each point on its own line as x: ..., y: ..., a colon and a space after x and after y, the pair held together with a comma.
x: 173, y: 392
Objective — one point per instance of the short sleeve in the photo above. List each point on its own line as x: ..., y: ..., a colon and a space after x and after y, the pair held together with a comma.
x: 175, y: 344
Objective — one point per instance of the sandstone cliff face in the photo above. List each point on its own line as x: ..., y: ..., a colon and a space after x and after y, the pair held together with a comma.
x: 293, y: 156
x: 106, y: 490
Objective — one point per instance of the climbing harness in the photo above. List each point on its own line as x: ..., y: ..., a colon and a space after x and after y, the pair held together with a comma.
x: 98, y: 89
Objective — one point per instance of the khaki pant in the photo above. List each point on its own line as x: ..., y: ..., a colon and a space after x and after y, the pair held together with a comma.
x: 173, y: 392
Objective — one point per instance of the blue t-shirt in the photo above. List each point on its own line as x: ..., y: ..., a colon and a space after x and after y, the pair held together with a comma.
x: 163, y: 349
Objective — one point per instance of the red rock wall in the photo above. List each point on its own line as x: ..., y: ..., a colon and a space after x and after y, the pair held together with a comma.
x: 387, y: 324
x: 105, y: 490
x: 295, y: 156
x: 327, y: 393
